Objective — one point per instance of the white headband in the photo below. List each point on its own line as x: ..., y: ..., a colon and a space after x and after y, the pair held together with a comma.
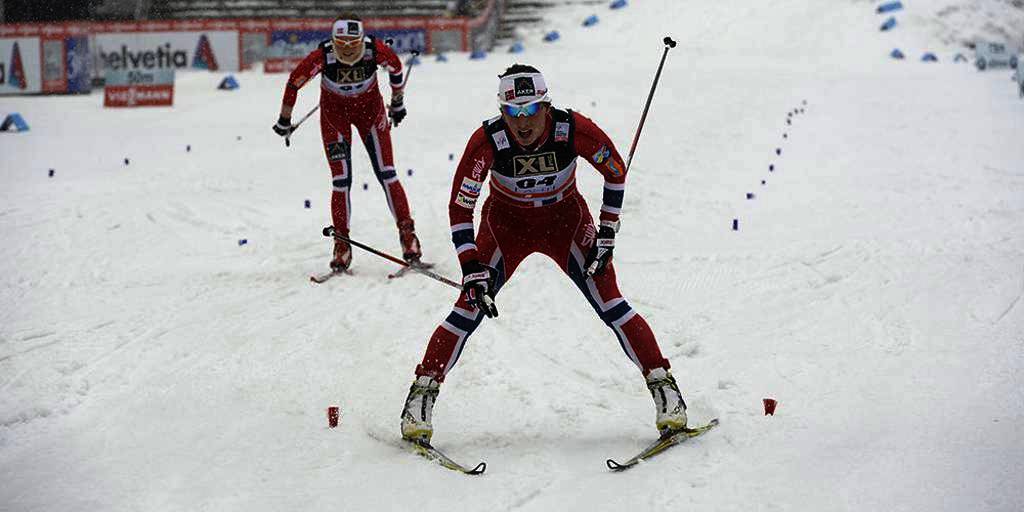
x: 523, y: 88
x: 347, y: 28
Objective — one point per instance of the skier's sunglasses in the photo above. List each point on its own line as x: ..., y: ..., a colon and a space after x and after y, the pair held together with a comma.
x: 348, y: 44
x: 527, y: 110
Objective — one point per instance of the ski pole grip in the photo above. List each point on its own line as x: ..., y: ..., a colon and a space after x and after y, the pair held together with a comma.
x: 329, y: 231
x: 669, y: 42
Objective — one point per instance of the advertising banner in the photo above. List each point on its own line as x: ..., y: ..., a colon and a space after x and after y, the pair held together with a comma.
x: 20, y: 66
x: 139, y: 88
x: 149, y: 51
x: 77, y: 64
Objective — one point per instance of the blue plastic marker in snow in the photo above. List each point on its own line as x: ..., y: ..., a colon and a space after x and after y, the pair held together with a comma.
x: 307, y: 203
x: 243, y: 241
x: 552, y: 36
x: 14, y: 122
x: 929, y: 57
x: 618, y: 4
x: 896, y: 54
x: 478, y: 55
x: 590, y: 21
x: 51, y: 173
x: 888, y: 25
x: 889, y: 7
x: 409, y: 172
x: 228, y: 84
x: 735, y: 224
x: 517, y: 47
x: 442, y: 57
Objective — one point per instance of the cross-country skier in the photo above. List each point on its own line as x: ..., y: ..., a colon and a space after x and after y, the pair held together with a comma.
x: 530, y: 153
x: 349, y: 95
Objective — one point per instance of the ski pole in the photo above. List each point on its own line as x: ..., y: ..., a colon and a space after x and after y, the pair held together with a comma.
x: 669, y: 43
x: 287, y: 141
x: 408, y: 65
x: 331, y: 233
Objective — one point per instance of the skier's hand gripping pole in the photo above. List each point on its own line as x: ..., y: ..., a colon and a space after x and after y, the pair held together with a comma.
x: 669, y: 43
x: 331, y: 233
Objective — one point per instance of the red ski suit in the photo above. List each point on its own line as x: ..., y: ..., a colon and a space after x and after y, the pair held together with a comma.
x: 534, y: 207
x: 349, y: 95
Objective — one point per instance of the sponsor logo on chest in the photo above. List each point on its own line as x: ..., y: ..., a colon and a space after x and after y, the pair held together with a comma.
x: 533, y: 165
x: 350, y: 75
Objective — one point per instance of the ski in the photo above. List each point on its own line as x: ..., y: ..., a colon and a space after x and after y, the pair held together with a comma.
x: 322, y: 278
x: 663, y: 443
x: 411, y: 268
x: 425, y: 450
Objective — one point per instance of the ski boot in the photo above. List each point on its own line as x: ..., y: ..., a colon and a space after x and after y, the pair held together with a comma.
x: 410, y: 243
x: 342, y: 256
x: 419, y: 407
x: 668, y: 401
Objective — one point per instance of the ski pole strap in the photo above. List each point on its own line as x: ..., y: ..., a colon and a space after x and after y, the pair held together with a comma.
x: 669, y: 43
x: 331, y: 233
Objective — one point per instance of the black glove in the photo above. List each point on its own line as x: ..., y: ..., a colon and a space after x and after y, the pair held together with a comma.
x: 396, y: 111
x: 601, y: 252
x: 284, y: 126
x: 478, y: 284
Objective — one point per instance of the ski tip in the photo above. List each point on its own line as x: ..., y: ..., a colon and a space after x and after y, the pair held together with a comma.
x: 478, y: 470
x: 614, y: 466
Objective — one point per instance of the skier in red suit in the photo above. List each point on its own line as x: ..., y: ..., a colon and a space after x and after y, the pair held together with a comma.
x: 349, y: 95
x: 528, y: 154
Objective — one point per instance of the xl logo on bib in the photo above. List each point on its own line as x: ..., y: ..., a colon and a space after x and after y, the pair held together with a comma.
x: 532, y: 165
x: 350, y: 76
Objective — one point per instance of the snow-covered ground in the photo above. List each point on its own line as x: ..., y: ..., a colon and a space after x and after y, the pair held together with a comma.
x: 874, y: 288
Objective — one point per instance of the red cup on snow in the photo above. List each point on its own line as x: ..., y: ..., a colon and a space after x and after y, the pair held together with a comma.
x: 332, y: 416
x: 769, y: 406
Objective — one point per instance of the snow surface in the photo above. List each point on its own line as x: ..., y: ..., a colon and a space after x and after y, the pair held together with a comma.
x: 149, y: 362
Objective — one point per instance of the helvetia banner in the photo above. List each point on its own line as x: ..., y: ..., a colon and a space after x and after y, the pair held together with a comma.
x: 151, y: 51
x: 138, y: 88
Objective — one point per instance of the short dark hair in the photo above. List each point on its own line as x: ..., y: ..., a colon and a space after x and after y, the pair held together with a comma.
x: 518, y: 68
x: 348, y: 16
